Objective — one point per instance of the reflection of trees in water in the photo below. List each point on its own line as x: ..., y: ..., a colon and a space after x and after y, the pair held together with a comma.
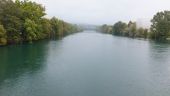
x: 159, y: 51
x: 18, y: 59
x: 159, y: 64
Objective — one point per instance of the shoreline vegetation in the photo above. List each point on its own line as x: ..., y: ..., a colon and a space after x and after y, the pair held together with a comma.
x: 24, y: 21
x: 158, y: 31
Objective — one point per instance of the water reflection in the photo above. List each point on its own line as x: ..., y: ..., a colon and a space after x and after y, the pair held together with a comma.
x: 159, y: 62
x: 86, y: 64
x: 160, y: 52
x: 20, y: 59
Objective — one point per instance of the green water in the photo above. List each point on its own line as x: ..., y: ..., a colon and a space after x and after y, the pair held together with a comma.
x: 86, y: 64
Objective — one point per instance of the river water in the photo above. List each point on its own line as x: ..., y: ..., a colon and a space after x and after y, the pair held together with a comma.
x: 86, y: 64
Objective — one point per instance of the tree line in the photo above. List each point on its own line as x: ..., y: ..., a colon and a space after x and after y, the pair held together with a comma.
x: 24, y: 21
x: 159, y: 29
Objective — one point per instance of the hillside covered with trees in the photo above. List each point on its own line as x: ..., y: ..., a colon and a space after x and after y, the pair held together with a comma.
x: 24, y: 21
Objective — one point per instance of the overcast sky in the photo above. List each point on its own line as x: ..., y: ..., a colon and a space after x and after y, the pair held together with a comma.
x: 103, y: 11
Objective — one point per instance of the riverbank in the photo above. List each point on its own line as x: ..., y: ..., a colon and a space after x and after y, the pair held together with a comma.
x: 24, y: 21
x: 159, y: 30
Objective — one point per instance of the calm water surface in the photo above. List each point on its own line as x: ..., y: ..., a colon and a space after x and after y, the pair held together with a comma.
x: 86, y: 64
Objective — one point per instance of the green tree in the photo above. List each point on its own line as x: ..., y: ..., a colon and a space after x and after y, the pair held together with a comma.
x: 46, y: 28
x: 132, y: 29
x: 23, y: 20
x: 119, y: 28
x: 160, y: 27
x: 3, y: 36
x: 145, y: 34
x: 55, y: 27
x: 10, y: 19
x: 139, y: 32
x: 34, y: 12
x: 31, y: 29
x: 106, y: 28
x: 31, y: 10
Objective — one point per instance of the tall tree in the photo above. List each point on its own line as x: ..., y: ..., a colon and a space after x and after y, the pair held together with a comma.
x: 160, y: 27
x: 119, y: 28
x: 31, y: 29
x: 3, y: 36
x: 32, y: 14
x: 132, y: 28
x: 10, y: 19
x: 23, y: 20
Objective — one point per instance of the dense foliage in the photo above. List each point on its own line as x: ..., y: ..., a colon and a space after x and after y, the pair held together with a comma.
x: 3, y: 36
x: 122, y: 29
x: 24, y: 21
x: 159, y: 30
x: 160, y: 27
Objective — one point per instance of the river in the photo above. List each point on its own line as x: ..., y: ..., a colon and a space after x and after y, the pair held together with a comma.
x: 86, y: 64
